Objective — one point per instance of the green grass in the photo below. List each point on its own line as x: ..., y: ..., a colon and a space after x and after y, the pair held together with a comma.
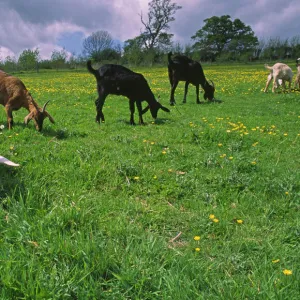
x: 92, y: 211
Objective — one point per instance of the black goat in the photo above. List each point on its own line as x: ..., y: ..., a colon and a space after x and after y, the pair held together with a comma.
x: 182, y: 68
x: 118, y: 80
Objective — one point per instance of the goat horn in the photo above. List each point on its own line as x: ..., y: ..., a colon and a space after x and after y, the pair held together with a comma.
x: 44, y: 107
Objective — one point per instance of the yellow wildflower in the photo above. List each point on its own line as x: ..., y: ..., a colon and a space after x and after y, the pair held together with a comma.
x: 197, y: 249
x: 211, y: 216
x: 275, y: 261
x: 240, y: 221
x: 287, y: 272
x: 197, y: 238
x: 215, y: 220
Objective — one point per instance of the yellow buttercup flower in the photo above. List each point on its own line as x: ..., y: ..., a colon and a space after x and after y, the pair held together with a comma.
x: 239, y: 221
x: 211, y: 216
x: 197, y: 238
x: 197, y: 249
x: 287, y: 272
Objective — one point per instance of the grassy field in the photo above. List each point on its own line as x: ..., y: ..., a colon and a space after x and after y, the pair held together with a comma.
x: 203, y: 203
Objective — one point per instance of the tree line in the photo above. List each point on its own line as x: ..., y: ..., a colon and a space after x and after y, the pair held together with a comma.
x: 221, y: 39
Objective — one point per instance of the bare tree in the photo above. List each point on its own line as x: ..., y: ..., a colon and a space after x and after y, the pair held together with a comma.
x: 160, y: 14
x: 98, y: 41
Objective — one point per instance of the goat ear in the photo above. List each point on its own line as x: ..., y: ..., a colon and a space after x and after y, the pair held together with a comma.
x: 49, y: 116
x: 145, y: 109
x: 28, y: 118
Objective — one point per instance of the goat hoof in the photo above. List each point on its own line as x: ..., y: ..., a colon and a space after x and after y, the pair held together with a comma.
x: 172, y: 103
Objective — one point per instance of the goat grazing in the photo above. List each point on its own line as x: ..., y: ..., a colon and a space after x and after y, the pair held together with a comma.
x: 182, y: 68
x: 14, y: 95
x: 297, y: 81
x: 277, y: 72
x: 118, y: 80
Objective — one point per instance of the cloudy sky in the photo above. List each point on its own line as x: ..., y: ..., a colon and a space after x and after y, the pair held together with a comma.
x: 54, y: 24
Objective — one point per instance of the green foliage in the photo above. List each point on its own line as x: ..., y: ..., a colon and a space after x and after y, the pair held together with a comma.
x: 111, y: 211
x: 220, y: 35
x: 28, y: 59
x: 58, y: 58
x: 100, y: 46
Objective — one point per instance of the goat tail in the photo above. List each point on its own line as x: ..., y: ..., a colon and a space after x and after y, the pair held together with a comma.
x: 92, y: 70
x: 268, y: 67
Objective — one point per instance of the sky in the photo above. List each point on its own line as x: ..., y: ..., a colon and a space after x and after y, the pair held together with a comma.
x: 56, y: 24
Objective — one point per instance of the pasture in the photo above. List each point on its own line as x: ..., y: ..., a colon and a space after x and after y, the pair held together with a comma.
x: 203, y: 203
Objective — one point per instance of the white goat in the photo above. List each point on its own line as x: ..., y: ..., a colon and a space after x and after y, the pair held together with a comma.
x: 297, y: 81
x: 279, y: 71
x: 6, y: 161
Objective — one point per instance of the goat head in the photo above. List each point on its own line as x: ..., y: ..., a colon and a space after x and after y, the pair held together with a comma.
x: 38, y: 115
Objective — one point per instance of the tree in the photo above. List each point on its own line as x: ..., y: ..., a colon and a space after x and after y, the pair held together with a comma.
x: 96, y: 43
x: 58, y: 58
x: 160, y: 14
x: 220, y: 34
x: 10, y: 63
x: 133, y: 51
x: 28, y: 59
x: 295, y: 45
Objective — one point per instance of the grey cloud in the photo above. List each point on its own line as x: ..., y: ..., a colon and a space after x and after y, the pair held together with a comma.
x: 27, y: 24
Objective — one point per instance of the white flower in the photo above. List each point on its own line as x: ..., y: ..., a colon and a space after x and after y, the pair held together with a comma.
x: 1, y: 127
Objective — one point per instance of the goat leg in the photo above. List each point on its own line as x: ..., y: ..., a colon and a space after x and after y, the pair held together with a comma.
x: 99, y: 105
x: 174, y: 86
x: 185, y: 91
x: 268, y: 83
x: 132, y: 109
x: 139, y: 107
x: 197, y: 94
x: 9, y: 115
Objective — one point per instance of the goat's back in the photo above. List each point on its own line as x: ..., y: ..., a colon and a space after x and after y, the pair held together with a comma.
x: 10, y: 86
x: 186, y: 69
x: 181, y: 59
x: 119, y: 80
x: 111, y: 70
x: 281, y: 71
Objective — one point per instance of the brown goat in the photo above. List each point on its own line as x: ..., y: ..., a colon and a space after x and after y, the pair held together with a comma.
x: 14, y: 95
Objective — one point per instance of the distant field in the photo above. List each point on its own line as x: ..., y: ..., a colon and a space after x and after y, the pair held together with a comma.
x: 203, y: 203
